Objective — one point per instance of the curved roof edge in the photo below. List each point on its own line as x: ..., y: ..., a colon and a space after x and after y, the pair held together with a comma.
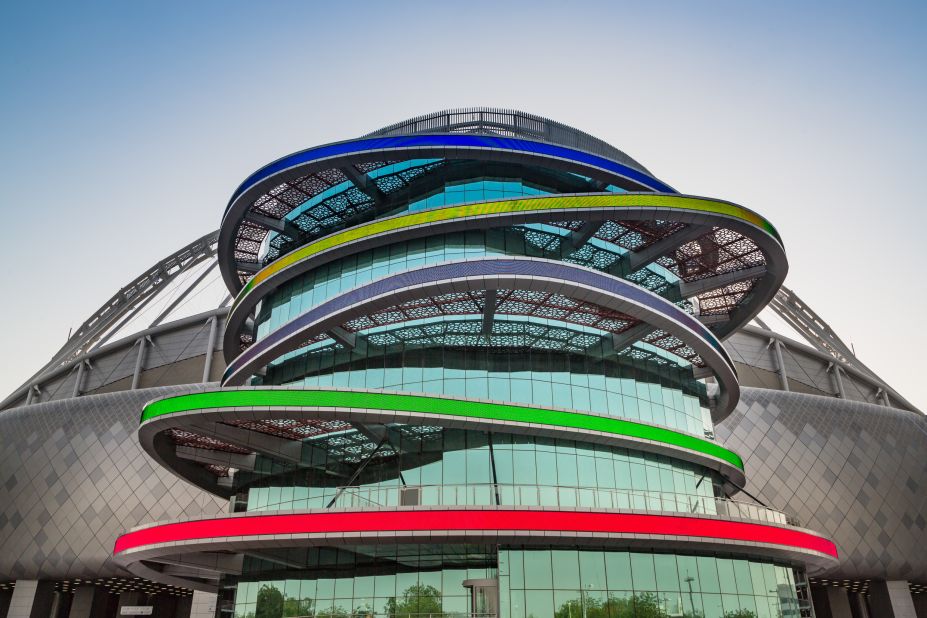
x: 507, y: 122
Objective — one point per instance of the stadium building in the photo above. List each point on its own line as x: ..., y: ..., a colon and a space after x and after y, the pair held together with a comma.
x: 474, y: 364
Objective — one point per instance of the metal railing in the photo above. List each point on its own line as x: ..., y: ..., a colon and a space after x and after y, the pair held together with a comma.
x: 551, y: 495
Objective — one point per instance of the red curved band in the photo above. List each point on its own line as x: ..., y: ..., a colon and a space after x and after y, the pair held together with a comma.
x: 473, y: 520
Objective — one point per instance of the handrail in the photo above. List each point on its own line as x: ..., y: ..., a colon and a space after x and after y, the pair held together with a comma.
x: 550, y: 495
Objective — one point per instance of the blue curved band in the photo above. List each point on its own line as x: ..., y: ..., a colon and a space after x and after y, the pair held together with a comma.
x: 546, y: 269
x: 447, y: 141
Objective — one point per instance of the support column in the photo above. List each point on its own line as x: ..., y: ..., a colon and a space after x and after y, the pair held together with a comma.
x: 80, y: 379
x: 139, y: 362
x: 128, y: 597
x: 838, y: 602
x: 834, y: 368
x: 780, y: 364
x: 165, y: 605
x: 210, y: 347
x: 858, y: 605
x: 31, y: 599
x: 183, y: 606
x: 88, y: 602
x: 889, y: 599
x: 5, y: 597
x: 920, y: 604
x: 203, y: 605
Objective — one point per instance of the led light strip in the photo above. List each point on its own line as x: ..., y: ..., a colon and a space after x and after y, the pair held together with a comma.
x: 315, y: 399
x: 237, y: 529
x: 536, y: 209
x: 448, y: 146
x: 453, y: 140
x: 530, y: 274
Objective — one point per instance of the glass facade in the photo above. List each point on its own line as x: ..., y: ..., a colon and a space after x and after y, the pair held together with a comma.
x: 394, y: 580
x: 428, y: 580
x: 296, y: 296
x: 565, y: 583
x: 417, y: 184
x: 540, y: 344
x: 621, y: 386
x: 442, y: 467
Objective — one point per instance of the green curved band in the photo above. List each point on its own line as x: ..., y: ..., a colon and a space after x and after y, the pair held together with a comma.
x: 395, y: 402
x: 577, y: 202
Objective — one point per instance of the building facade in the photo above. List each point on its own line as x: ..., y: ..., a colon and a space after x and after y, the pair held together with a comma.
x: 470, y: 364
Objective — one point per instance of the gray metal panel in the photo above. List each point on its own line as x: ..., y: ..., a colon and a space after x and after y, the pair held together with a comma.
x: 72, y: 478
x: 177, y: 348
x: 854, y: 471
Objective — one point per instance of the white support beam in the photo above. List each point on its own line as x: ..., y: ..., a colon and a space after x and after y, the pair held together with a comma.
x: 780, y: 363
x: 626, y: 339
x: 352, y: 341
x: 281, y: 226
x: 79, y: 380
x: 229, y: 564
x: 210, y: 347
x: 265, y: 444
x: 489, y: 311
x: 140, y: 360
x: 694, y: 288
x: 639, y: 259
x: 581, y: 236
x: 834, y: 370
x: 247, y: 267
x: 363, y: 183
x: 217, y: 458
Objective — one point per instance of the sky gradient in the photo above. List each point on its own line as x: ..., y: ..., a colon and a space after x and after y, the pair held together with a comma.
x: 126, y: 127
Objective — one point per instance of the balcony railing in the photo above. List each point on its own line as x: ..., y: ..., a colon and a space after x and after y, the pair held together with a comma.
x: 550, y: 495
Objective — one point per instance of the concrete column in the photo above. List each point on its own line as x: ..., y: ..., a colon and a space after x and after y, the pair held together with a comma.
x: 165, y: 606
x: 203, y: 605
x: 858, y: 605
x: 128, y: 597
x: 88, y: 602
x: 5, y: 597
x: 889, y: 599
x: 61, y: 605
x: 920, y: 604
x: 31, y: 599
x: 838, y: 602
x: 183, y: 607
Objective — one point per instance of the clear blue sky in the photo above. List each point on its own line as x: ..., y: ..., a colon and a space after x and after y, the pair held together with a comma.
x: 124, y: 127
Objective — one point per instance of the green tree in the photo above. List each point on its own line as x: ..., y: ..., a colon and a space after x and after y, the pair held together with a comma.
x: 269, y: 603
x: 643, y: 605
x: 647, y: 605
x: 416, y: 599
x: 740, y: 613
x: 333, y: 611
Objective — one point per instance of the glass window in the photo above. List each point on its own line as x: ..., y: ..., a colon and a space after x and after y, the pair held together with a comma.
x: 538, y: 570
x: 565, y: 568
x: 592, y: 570
x: 642, y: 571
x: 708, y: 574
x: 666, y: 574
x: 726, y: 575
